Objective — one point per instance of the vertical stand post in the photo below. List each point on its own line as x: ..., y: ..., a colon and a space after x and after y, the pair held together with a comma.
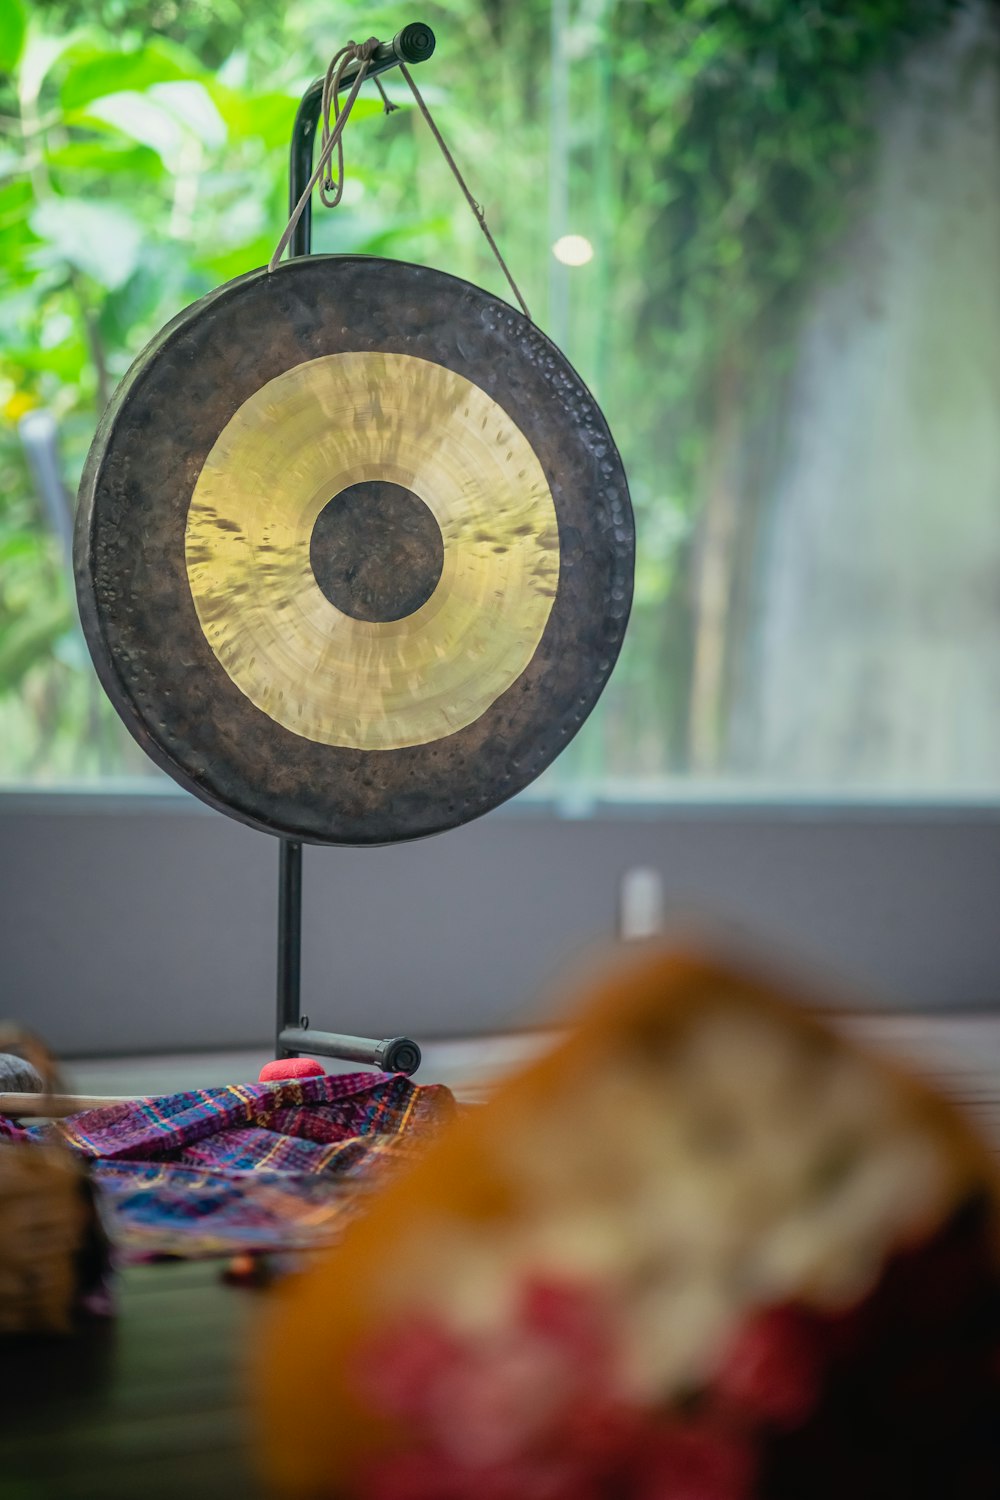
x: 399, y: 1054
x: 289, y: 941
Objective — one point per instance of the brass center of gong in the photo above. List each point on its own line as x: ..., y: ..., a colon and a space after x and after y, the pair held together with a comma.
x: 376, y: 551
x: 351, y: 421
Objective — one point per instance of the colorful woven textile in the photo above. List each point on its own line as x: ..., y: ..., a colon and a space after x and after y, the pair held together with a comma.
x: 250, y: 1166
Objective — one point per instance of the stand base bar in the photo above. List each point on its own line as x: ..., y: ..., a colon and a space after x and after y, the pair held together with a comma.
x: 396, y: 1054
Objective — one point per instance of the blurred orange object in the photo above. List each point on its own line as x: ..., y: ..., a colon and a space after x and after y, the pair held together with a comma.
x: 702, y: 1249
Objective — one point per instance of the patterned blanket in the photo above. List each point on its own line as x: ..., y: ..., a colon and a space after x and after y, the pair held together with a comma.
x: 251, y: 1166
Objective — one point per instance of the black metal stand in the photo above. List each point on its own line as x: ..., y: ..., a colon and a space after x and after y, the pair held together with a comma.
x: 399, y: 1054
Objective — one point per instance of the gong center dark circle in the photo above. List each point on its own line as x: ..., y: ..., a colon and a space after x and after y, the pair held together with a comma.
x: 376, y: 551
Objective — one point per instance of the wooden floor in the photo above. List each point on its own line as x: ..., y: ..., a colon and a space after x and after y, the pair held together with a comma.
x: 144, y: 1409
x: 150, y: 1407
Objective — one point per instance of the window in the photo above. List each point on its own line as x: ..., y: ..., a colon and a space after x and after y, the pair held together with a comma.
x: 764, y: 233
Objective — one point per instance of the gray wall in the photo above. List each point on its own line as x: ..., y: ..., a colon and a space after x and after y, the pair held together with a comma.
x: 150, y: 923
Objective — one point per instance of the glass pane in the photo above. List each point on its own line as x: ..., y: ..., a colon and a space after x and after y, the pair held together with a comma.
x: 765, y: 234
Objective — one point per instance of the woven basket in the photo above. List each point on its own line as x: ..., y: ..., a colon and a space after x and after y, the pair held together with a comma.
x: 46, y: 1220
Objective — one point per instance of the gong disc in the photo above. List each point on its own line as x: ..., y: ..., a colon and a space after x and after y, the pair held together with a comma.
x: 354, y: 550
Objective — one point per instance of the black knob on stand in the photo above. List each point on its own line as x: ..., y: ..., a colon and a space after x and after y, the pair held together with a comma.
x: 414, y: 44
x: 398, y: 1055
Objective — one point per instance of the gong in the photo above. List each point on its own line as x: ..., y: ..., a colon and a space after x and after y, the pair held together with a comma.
x: 354, y: 550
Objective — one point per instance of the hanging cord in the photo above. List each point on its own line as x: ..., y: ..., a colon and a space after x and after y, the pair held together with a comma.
x: 477, y: 210
x: 331, y: 189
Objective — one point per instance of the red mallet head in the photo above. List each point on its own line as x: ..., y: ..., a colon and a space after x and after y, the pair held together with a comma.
x: 290, y: 1067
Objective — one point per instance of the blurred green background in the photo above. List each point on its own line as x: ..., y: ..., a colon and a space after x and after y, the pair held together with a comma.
x: 718, y: 158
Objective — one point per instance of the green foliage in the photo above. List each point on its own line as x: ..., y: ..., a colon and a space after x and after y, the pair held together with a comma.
x: 740, y: 151
x: 737, y: 133
x: 13, y: 26
x: 708, y: 150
